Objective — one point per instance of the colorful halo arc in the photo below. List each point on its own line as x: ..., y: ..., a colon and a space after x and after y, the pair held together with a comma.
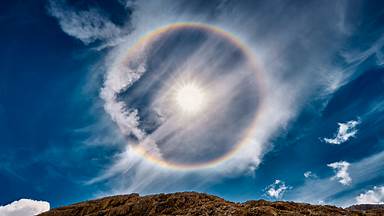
x: 150, y: 38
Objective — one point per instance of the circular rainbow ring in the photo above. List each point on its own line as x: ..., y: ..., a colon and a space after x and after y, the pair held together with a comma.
x: 149, y: 39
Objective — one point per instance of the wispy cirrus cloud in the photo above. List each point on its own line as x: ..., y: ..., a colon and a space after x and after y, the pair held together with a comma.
x: 345, y: 132
x: 285, y: 75
x: 375, y: 49
x: 87, y: 25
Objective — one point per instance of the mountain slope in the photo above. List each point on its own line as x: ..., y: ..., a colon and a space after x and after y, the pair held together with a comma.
x: 191, y: 203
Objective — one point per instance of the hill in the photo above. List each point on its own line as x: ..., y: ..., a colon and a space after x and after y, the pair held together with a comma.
x: 192, y: 203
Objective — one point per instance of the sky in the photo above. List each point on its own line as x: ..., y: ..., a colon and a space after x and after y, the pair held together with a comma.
x: 275, y: 100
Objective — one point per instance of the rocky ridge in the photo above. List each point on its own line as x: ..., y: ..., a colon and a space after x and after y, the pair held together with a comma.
x: 192, y: 203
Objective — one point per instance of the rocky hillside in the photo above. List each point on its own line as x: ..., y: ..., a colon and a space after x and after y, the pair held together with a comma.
x: 191, y: 203
x: 373, y: 209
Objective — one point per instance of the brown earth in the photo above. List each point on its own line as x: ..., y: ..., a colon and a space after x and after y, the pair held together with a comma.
x: 191, y: 203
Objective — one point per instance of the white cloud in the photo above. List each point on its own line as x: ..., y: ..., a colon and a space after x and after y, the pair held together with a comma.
x: 344, y: 133
x: 277, y: 189
x: 87, y: 25
x: 362, y: 171
x: 341, y: 169
x: 118, y: 79
x: 310, y: 174
x: 374, y: 196
x: 24, y: 207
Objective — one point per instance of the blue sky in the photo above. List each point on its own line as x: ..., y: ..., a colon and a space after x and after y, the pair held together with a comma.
x: 73, y: 108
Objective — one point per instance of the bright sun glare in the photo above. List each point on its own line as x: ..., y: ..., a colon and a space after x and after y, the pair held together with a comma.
x: 190, y: 98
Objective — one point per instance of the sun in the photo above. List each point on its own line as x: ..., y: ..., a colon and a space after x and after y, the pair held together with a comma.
x: 190, y: 98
